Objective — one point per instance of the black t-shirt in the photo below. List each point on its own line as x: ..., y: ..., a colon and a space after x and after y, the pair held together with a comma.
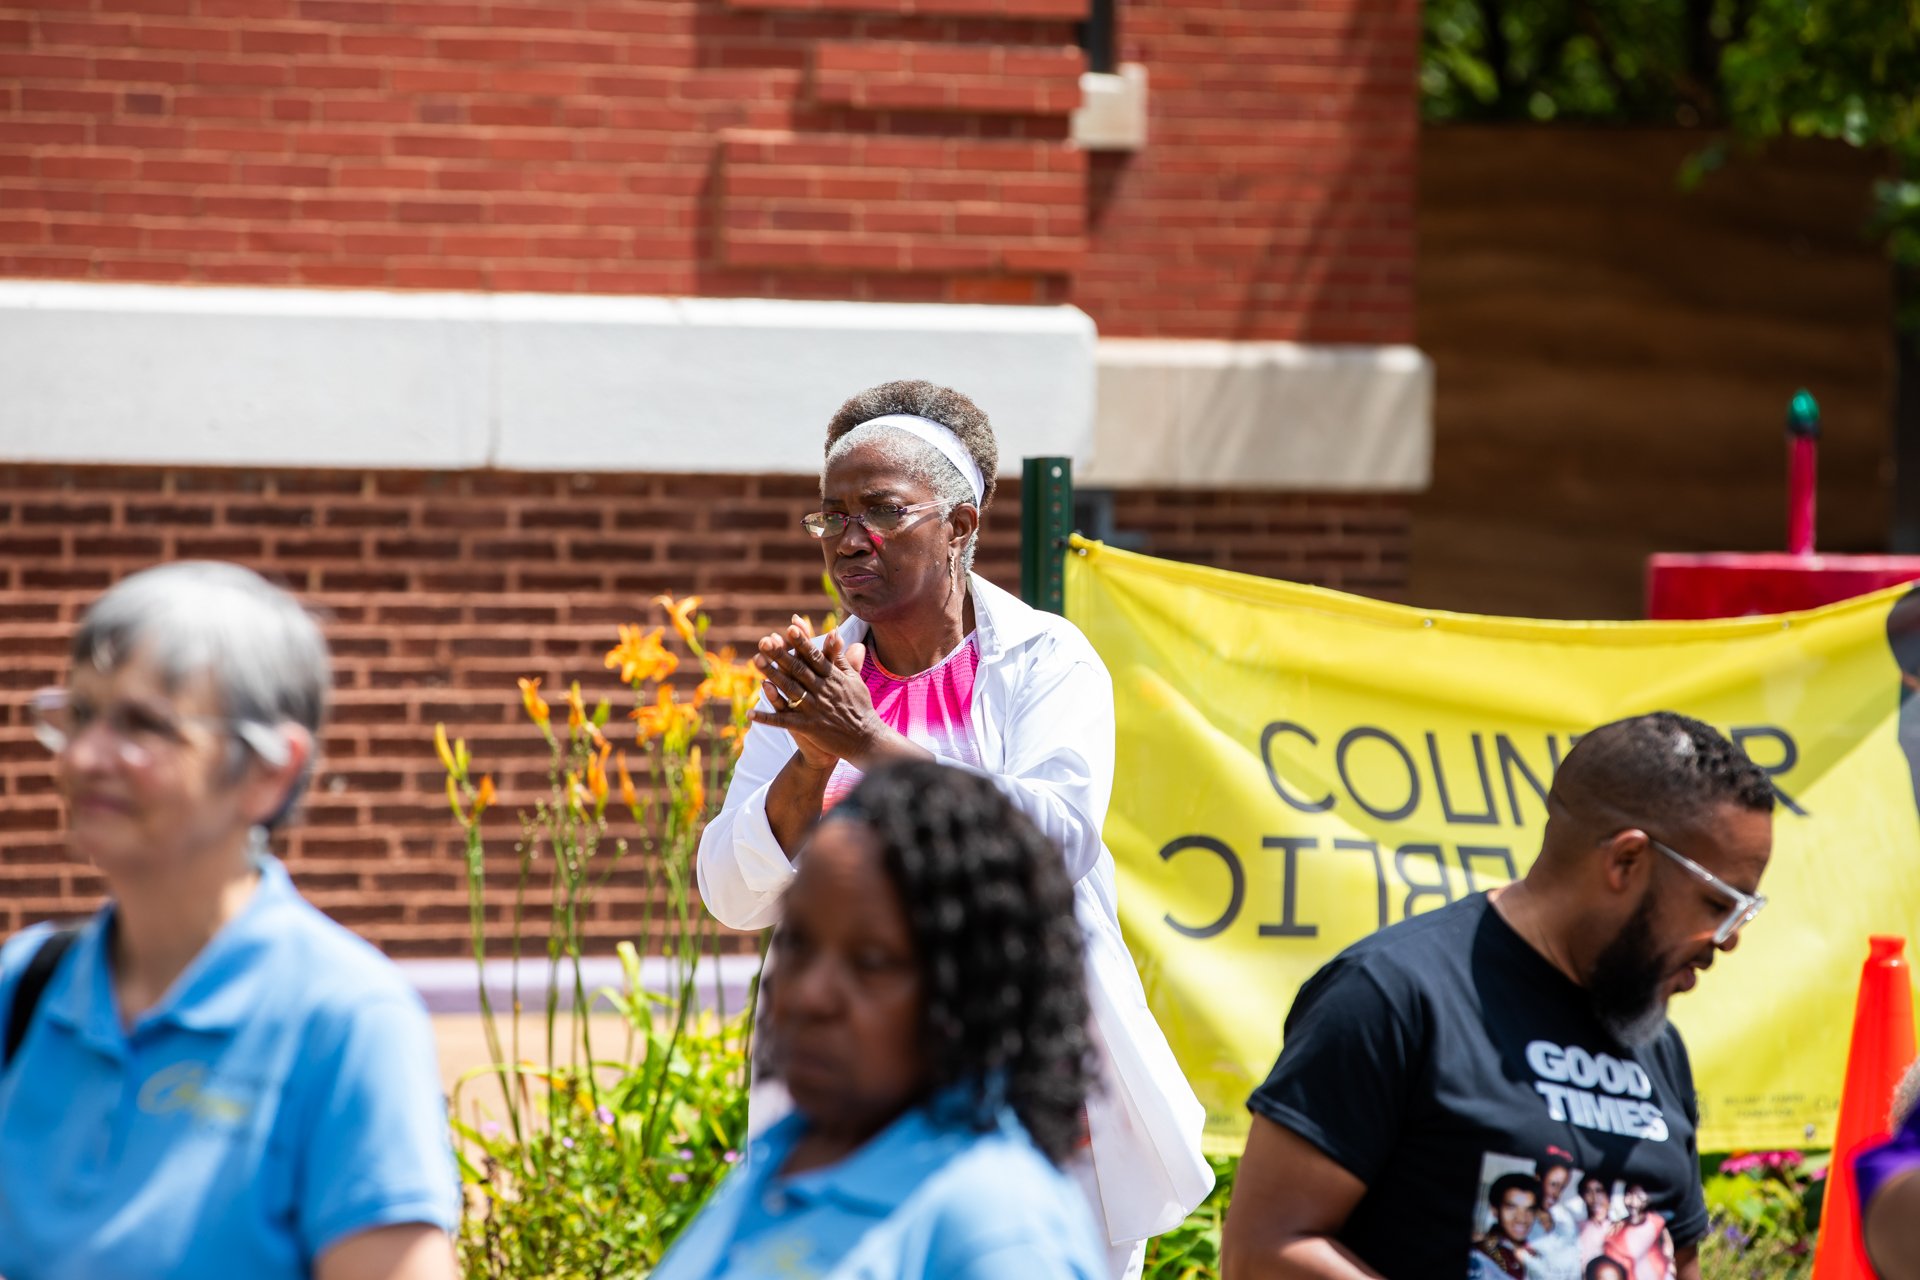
x: 1449, y: 1066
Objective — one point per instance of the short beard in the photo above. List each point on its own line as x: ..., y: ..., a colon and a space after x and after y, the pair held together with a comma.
x: 1624, y: 984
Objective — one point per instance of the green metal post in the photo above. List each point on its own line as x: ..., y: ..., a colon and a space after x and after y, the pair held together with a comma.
x: 1046, y: 519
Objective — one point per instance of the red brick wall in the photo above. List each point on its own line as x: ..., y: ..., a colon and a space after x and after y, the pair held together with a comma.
x: 1275, y: 196
x: 1351, y: 542
x: 863, y: 149
x: 440, y: 589
x: 644, y: 146
x: 849, y: 149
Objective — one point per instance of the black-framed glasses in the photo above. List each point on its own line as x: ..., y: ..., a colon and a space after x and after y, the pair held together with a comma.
x: 884, y: 518
x: 1745, y: 905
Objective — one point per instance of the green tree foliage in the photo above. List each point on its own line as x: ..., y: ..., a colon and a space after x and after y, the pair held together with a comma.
x: 1755, y: 69
x: 1602, y: 61
x: 1843, y: 69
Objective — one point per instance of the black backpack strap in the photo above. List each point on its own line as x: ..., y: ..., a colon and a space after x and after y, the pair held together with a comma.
x: 33, y: 984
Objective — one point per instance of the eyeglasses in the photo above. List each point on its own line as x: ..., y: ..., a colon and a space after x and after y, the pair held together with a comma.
x: 881, y: 519
x: 139, y: 732
x: 1745, y: 905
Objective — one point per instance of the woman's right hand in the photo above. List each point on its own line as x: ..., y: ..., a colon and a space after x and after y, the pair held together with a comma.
x: 781, y: 691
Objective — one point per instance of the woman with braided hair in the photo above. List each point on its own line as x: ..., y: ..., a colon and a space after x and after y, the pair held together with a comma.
x: 936, y: 663
x: 929, y: 1019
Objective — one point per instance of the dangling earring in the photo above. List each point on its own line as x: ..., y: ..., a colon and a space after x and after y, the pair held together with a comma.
x: 953, y: 570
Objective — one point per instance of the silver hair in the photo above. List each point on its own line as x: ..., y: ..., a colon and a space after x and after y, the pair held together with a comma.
x: 913, y: 456
x: 263, y: 652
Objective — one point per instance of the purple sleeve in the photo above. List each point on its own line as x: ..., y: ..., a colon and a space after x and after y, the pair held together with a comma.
x: 1876, y: 1165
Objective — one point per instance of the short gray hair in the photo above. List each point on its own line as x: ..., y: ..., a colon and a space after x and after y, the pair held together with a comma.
x: 263, y: 652
x: 913, y: 456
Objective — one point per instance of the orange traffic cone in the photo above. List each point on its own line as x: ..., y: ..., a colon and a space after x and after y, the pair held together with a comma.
x: 1879, y: 1056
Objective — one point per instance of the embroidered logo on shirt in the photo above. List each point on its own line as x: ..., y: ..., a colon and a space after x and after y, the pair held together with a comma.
x: 182, y: 1088
x: 790, y: 1258
x: 1568, y: 1077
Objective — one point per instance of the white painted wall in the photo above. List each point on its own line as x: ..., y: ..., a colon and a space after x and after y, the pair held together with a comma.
x: 1261, y: 415
x: 94, y: 373
x: 359, y: 378
x: 452, y: 985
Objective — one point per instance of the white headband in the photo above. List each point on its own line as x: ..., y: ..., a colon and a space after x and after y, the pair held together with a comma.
x: 941, y: 437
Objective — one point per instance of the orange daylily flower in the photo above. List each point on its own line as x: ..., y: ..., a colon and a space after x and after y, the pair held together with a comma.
x: 695, y: 782
x: 642, y: 657
x: 444, y: 751
x: 536, y: 705
x: 665, y: 716
x: 597, y: 775
x: 483, y: 798
x: 729, y: 681
x: 576, y: 709
x: 628, y: 796
x: 681, y: 612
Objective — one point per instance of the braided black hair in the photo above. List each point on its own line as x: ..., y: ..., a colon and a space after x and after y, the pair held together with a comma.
x: 1001, y: 954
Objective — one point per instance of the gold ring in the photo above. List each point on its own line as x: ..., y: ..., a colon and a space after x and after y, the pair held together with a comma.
x: 794, y: 702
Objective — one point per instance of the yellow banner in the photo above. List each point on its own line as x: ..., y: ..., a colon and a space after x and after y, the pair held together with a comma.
x: 1298, y: 767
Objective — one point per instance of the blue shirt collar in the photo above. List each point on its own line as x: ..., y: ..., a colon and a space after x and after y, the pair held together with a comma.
x: 218, y: 991
x: 888, y: 1168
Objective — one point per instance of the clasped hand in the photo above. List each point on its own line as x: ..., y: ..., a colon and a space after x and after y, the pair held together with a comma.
x: 818, y: 695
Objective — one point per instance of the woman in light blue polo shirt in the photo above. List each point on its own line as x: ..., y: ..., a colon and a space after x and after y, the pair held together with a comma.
x: 929, y: 1018
x: 213, y: 1080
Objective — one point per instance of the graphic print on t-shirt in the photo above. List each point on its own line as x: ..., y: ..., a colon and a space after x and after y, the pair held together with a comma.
x: 1541, y: 1218
x: 1596, y: 1091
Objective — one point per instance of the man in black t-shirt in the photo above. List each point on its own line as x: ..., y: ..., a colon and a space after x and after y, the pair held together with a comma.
x: 1518, y: 1038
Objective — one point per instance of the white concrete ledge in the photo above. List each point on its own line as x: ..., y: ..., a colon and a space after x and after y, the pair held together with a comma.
x: 452, y: 986
x: 1262, y: 415
x: 363, y: 378
x: 144, y: 374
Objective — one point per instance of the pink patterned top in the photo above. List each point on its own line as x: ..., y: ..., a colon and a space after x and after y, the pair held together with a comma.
x: 933, y: 709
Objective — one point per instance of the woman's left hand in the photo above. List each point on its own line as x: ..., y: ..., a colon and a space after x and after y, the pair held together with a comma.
x: 834, y: 709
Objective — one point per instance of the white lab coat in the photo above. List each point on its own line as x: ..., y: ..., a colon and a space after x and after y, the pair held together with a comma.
x: 1043, y: 719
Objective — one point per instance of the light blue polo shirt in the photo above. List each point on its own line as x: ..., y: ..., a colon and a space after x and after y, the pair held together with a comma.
x: 921, y: 1201
x: 281, y: 1097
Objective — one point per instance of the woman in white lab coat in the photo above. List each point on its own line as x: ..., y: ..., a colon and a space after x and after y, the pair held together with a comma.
x: 937, y: 663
